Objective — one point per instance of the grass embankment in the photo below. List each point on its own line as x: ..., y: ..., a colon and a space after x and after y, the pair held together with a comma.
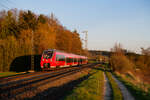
x: 7, y: 74
x: 90, y: 89
x: 135, y: 89
x: 117, y: 95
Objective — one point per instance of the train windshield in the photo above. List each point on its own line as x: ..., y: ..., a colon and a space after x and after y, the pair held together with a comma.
x: 47, y: 54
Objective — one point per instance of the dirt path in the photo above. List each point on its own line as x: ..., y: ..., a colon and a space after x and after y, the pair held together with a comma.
x: 126, y: 94
x: 107, y: 89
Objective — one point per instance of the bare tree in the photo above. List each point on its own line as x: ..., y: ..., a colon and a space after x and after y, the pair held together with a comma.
x: 146, y: 51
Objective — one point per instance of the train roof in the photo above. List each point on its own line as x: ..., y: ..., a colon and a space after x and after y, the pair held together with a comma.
x: 66, y: 54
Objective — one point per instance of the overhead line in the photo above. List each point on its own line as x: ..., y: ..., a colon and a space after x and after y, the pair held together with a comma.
x: 10, y: 2
x: 7, y: 2
x: 4, y: 6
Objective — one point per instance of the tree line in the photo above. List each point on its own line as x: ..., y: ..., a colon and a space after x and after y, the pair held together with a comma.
x: 20, y: 31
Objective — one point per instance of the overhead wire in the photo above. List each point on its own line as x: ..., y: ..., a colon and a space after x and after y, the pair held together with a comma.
x: 10, y: 2
x: 7, y: 8
x: 3, y: 6
x: 6, y: 4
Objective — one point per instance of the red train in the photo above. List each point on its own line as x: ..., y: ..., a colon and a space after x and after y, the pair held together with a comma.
x: 52, y: 58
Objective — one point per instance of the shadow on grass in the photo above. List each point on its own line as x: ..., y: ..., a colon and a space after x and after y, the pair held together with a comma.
x: 23, y: 63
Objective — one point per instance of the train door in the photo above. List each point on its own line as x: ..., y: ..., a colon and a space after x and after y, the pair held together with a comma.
x: 57, y: 60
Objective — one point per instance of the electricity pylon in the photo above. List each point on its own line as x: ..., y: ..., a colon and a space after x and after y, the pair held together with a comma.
x: 86, y: 39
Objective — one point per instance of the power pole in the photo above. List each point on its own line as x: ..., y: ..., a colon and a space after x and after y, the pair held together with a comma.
x: 86, y: 39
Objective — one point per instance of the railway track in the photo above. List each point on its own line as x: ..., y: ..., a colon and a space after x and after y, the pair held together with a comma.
x: 16, y: 86
x: 27, y: 75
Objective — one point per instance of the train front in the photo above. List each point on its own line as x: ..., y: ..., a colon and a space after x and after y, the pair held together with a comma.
x: 47, y: 59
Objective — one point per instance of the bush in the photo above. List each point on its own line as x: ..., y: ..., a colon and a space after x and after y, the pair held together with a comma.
x: 121, y: 63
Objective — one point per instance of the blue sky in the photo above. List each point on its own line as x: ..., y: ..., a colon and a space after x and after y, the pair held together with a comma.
x: 107, y: 21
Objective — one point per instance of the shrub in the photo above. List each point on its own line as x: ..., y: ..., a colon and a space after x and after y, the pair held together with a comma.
x: 121, y: 63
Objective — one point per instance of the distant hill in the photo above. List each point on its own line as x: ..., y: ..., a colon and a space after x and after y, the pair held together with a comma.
x: 108, y: 53
x: 98, y: 52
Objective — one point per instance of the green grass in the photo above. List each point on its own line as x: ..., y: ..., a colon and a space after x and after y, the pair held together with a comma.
x: 137, y: 92
x: 91, y: 62
x: 117, y: 95
x: 6, y: 74
x: 90, y: 89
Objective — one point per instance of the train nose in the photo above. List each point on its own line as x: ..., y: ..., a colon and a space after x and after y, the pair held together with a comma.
x: 46, y: 65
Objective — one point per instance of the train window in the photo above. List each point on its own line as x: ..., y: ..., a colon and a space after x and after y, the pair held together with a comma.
x: 81, y: 60
x: 78, y: 60
x: 69, y: 60
x: 75, y: 59
x: 57, y: 58
x: 47, y: 54
x: 60, y: 58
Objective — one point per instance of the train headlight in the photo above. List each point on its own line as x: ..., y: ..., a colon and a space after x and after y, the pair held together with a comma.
x: 43, y: 59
